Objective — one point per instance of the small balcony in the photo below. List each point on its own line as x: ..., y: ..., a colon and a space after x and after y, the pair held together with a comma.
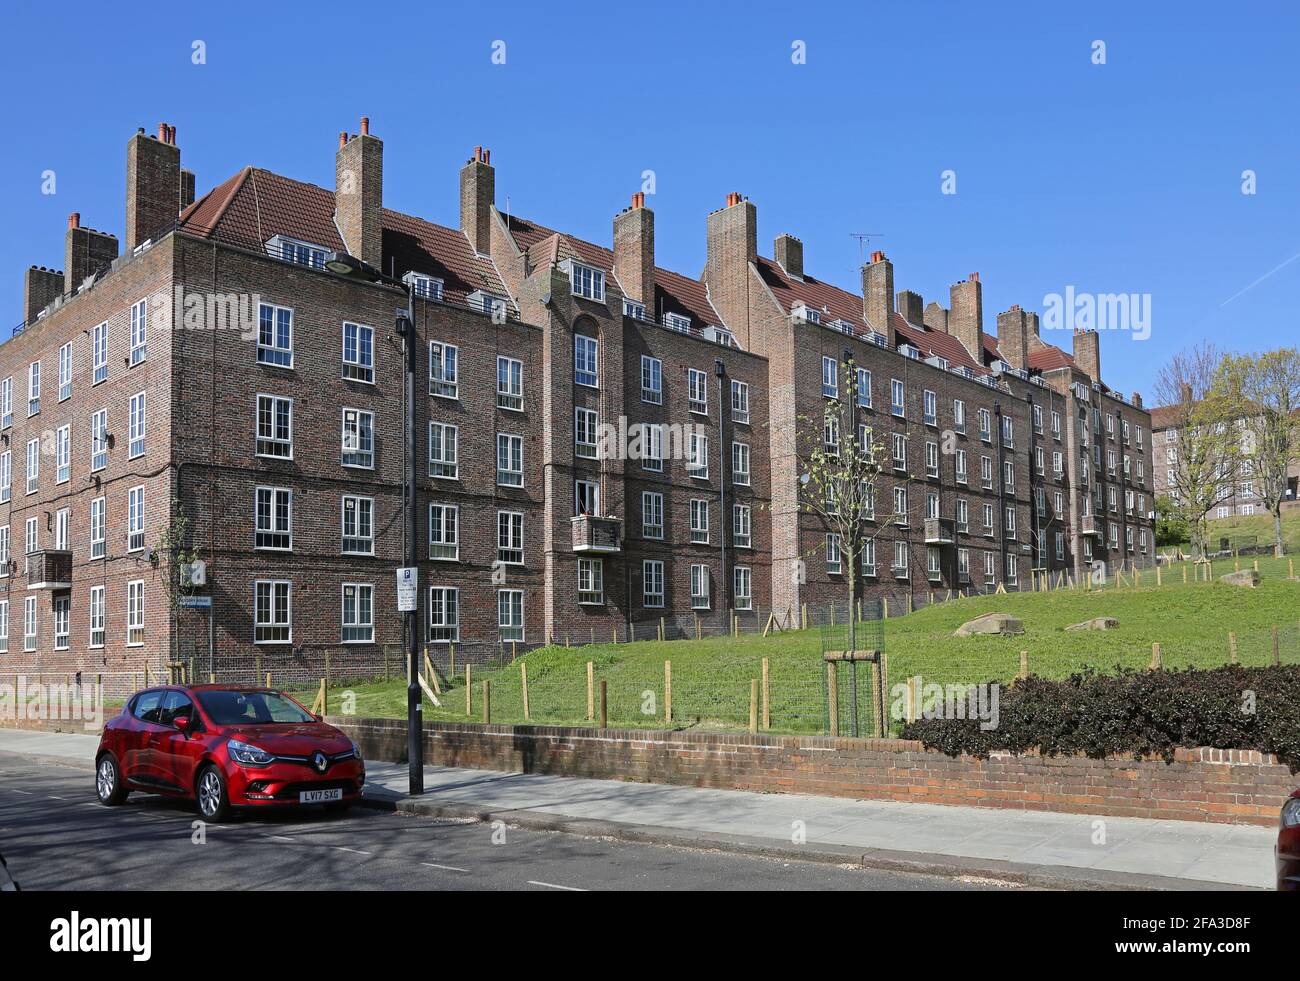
x: 600, y: 536
x: 1088, y: 525
x: 938, y: 531
x: 49, y: 570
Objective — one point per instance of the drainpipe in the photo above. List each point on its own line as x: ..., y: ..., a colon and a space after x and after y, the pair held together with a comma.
x: 724, y: 587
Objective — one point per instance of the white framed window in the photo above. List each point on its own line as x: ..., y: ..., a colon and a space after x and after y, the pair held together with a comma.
x: 869, y: 557
x: 697, y: 456
x: 864, y: 388
x: 274, y: 519
x: 139, y: 331
x: 98, y: 524
x: 931, y: 458
x: 633, y: 309
x: 1013, y: 568
x: 444, y: 532
x: 33, y: 466
x: 831, y: 434
x: 274, y: 427
x: 897, y: 398
x: 444, y: 615
x: 510, y: 615
x: 740, y: 464
x: 931, y: 409
x: 963, y: 514
x: 677, y: 322
x: 99, y: 440
x: 986, y: 426
x: 443, y: 455
x: 136, y: 421
x: 586, y: 497
x: 63, y: 454
x: 272, y: 611
x: 33, y: 388
x: 899, y: 442
x: 510, y: 384
x: 699, y: 587
x: 699, y: 521
x: 62, y: 622
x: 510, y: 460
x: 586, y: 423
x: 697, y: 391
x: 444, y: 370
x: 423, y: 286
x: 135, y: 613
x: 739, y: 401
x: 510, y: 537
x: 959, y: 415
x: 358, y: 613
x: 6, y: 403
x: 358, y: 525
x: 1038, y: 418
x: 834, y: 560
x: 135, y: 519
x: 741, y: 526
x: 99, y: 353
x: 652, y: 380
x: 830, y: 378
x: 743, y: 588
x: 96, y: 616
x: 652, y: 447
x: 933, y: 567
x: 652, y: 575
x: 586, y: 360
x: 4, y: 551
x: 358, y: 352
x: 1010, y: 523
x: 32, y: 543
x: 591, y: 582
x: 962, y: 475
x: 65, y: 372
x: 358, y: 439
x: 274, y: 335
x: 902, y: 567
x: 900, y: 506
x: 1056, y: 425
x: 652, y: 515
x: 6, y: 475
x: 29, y: 623
x: 587, y: 281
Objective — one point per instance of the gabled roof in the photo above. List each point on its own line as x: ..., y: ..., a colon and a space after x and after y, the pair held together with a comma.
x: 674, y: 293
x: 255, y: 205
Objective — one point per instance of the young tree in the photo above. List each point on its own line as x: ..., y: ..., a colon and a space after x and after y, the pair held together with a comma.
x: 1171, y: 526
x: 842, y: 467
x: 1267, y: 388
x: 175, y: 556
x: 1205, y: 448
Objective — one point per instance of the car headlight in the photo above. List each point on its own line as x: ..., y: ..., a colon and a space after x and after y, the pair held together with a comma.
x: 356, y: 750
x: 248, y: 754
x: 1291, y: 813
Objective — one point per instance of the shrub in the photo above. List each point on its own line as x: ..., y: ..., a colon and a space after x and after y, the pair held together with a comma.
x: 1138, y: 713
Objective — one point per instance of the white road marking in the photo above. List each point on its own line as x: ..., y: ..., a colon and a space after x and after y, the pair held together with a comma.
x: 52, y: 797
x: 552, y: 885
x: 279, y: 838
x: 25, y: 793
x: 340, y: 848
x: 448, y: 868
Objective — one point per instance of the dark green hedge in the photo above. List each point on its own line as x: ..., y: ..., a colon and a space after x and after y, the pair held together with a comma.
x: 1136, y: 713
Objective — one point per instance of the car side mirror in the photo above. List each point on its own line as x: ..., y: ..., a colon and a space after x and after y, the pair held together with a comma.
x: 182, y: 722
x: 318, y: 717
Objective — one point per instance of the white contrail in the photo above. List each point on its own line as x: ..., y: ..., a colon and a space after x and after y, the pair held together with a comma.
x: 1260, y: 280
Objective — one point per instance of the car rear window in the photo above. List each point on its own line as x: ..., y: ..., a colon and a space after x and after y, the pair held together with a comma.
x: 230, y: 708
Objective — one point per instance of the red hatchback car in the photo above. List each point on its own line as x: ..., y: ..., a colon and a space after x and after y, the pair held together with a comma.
x: 1288, y: 846
x: 226, y: 747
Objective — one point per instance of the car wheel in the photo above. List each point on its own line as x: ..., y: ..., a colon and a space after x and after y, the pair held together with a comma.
x: 214, y: 805
x: 108, y: 781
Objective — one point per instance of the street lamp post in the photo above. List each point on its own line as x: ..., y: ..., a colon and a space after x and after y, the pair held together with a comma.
x: 351, y: 267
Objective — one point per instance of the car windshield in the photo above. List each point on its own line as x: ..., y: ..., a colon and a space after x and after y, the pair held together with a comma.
x: 232, y: 708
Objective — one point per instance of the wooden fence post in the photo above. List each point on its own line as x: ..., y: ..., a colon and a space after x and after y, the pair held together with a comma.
x: 767, y: 714
x: 604, y: 704
x: 668, y: 692
x: 884, y: 608
x: 1277, y: 653
x: 1232, y: 647
x: 833, y: 697
x: 753, y: 705
x: 469, y: 689
x: 487, y: 701
x: 1156, y: 660
x: 1024, y: 664
x: 591, y: 692
x: 523, y: 685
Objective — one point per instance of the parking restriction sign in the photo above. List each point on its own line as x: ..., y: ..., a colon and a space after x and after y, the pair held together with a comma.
x: 407, y: 586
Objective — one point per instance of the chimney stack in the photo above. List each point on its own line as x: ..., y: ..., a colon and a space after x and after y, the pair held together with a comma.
x: 732, y: 237
x: 1087, y: 353
x: 187, y: 188
x: 966, y: 319
x: 634, y: 252
x: 936, y: 317
x: 1033, y: 341
x: 911, y: 306
x: 788, y: 251
x: 478, y: 193
x: 41, y: 287
x: 878, y: 295
x: 1137, y: 399
x: 359, y: 195
x: 1013, y: 344
x: 153, y: 185
x: 86, y: 252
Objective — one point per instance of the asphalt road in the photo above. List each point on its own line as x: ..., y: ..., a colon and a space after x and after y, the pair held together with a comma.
x: 56, y: 835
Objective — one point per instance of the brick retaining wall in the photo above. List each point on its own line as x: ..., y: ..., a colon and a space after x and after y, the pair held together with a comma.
x: 1221, y: 786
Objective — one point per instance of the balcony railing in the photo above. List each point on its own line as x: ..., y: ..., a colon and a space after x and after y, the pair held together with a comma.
x: 938, y: 531
x: 1088, y: 525
x: 599, y: 535
x: 49, y: 570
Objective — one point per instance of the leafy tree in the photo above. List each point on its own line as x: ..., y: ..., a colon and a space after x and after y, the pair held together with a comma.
x: 1171, y: 525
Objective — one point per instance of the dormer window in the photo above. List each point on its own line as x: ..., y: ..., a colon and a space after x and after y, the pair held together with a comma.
x: 423, y: 286
x: 675, y: 321
x: 587, y: 281
x: 633, y: 309
x: 495, y: 306
x: 809, y: 314
x: 297, y: 251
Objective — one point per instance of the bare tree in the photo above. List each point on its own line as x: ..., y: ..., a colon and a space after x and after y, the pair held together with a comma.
x: 175, y: 557
x: 841, y: 469
x: 1267, y: 386
x: 1206, y: 450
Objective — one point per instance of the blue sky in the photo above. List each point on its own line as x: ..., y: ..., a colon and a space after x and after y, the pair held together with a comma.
x: 1122, y: 177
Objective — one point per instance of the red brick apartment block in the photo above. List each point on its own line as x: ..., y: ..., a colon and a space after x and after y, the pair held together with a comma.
x: 216, y: 372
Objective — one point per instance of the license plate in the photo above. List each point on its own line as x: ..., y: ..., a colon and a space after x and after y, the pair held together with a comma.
x: 320, y: 796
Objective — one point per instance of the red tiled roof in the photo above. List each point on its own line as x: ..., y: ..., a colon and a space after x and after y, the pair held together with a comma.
x: 1050, y: 358
x: 255, y: 205
x: 674, y: 293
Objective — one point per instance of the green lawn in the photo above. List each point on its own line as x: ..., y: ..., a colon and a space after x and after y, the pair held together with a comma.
x: 1259, y: 526
x: 711, y: 678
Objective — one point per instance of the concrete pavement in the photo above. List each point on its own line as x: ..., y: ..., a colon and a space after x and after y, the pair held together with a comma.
x: 1032, y: 847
